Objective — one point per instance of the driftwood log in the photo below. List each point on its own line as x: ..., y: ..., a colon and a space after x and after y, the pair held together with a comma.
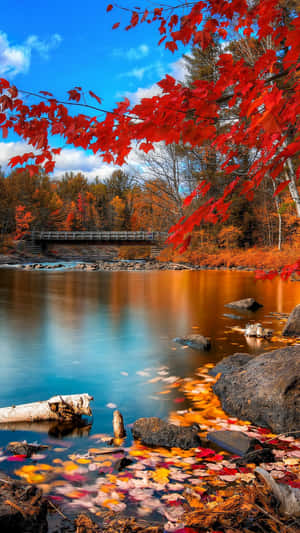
x: 288, y: 497
x: 56, y: 408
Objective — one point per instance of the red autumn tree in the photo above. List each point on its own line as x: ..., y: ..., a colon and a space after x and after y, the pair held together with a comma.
x: 23, y: 221
x: 262, y: 87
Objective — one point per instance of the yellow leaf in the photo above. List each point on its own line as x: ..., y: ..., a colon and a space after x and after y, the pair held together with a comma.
x: 70, y: 467
x: 161, y: 475
x: 44, y: 467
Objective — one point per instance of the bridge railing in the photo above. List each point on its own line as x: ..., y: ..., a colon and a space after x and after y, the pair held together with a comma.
x: 97, y: 235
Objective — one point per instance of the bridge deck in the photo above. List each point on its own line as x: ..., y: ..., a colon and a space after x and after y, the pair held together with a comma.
x: 146, y: 236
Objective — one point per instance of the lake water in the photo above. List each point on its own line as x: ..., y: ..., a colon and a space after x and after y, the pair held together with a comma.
x: 110, y: 333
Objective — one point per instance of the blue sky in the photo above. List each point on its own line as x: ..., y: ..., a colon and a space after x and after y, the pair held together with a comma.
x: 58, y: 45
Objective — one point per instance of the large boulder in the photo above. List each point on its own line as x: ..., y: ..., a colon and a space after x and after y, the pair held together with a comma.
x: 155, y: 432
x: 230, y: 364
x: 266, y: 390
x: 198, y: 342
x: 247, y: 304
x: 292, y: 327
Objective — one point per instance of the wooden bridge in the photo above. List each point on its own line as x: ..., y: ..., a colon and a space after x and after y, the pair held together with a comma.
x: 40, y: 240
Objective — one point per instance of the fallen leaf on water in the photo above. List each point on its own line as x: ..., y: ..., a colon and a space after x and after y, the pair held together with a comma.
x: 17, y: 458
x: 161, y: 475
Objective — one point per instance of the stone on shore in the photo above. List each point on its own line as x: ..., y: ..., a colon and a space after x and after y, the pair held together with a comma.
x: 247, y: 304
x: 155, y: 432
x: 22, y: 507
x: 265, y: 390
x: 198, y: 342
x: 230, y: 364
x: 292, y: 327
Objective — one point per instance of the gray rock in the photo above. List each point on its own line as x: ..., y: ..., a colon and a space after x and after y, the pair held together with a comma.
x: 265, y: 390
x: 247, y: 304
x: 91, y: 267
x: 292, y: 327
x: 155, y: 432
x: 236, y: 317
x: 198, y: 342
x: 230, y: 364
x: 237, y: 442
x: 23, y: 448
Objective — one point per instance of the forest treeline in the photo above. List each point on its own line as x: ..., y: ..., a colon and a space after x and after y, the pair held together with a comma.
x: 126, y: 202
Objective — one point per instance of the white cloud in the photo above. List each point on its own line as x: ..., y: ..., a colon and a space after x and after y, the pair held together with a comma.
x: 176, y: 69
x: 76, y: 160
x: 43, y: 47
x: 156, y: 68
x: 69, y: 160
x: 132, y: 54
x: 142, y: 92
x: 11, y: 149
x: 16, y: 58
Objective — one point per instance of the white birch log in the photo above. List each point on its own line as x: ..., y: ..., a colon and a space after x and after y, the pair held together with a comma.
x: 288, y: 497
x: 56, y: 408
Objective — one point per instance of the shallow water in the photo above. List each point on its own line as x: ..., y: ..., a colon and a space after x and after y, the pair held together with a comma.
x: 110, y: 333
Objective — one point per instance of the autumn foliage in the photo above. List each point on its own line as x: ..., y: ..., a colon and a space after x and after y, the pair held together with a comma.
x: 263, y: 91
x: 23, y: 221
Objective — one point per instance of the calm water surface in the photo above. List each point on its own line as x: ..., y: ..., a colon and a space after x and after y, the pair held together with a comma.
x: 109, y: 333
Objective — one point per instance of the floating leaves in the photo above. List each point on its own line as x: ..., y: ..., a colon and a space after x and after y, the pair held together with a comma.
x: 171, y: 482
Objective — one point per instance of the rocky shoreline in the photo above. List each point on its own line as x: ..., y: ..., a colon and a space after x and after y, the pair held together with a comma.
x: 30, y: 263
x: 33, y: 262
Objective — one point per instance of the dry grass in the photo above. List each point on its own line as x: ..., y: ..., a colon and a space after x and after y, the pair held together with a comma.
x: 256, y: 258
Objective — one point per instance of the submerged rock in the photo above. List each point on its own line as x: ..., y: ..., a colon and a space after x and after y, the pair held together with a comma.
x: 265, y: 390
x: 155, y: 432
x: 235, y: 442
x: 247, y: 304
x: 292, y: 327
x: 238, y: 443
x: 231, y: 315
x: 198, y: 342
x: 24, y: 448
x: 230, y: 364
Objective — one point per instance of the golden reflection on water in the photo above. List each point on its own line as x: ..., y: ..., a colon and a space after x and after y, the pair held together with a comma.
x: 71, y: 332
x: 182, y: 299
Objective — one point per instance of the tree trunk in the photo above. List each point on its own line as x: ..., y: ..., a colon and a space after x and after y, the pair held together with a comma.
x: 279, y: 217
x: 56, y: 408
x: 293, y: 187
x: 290, y: 174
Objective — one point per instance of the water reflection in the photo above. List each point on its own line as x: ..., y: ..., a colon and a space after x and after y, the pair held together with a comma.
x: 108, y: 333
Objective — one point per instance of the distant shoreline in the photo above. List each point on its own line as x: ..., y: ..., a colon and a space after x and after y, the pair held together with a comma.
x: 30, y: 263
x: 33, y: 263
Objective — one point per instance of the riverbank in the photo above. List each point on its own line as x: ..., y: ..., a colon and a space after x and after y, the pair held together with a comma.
x: 236, y: 258
x: 252, y: 259
x: 124, y: 265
